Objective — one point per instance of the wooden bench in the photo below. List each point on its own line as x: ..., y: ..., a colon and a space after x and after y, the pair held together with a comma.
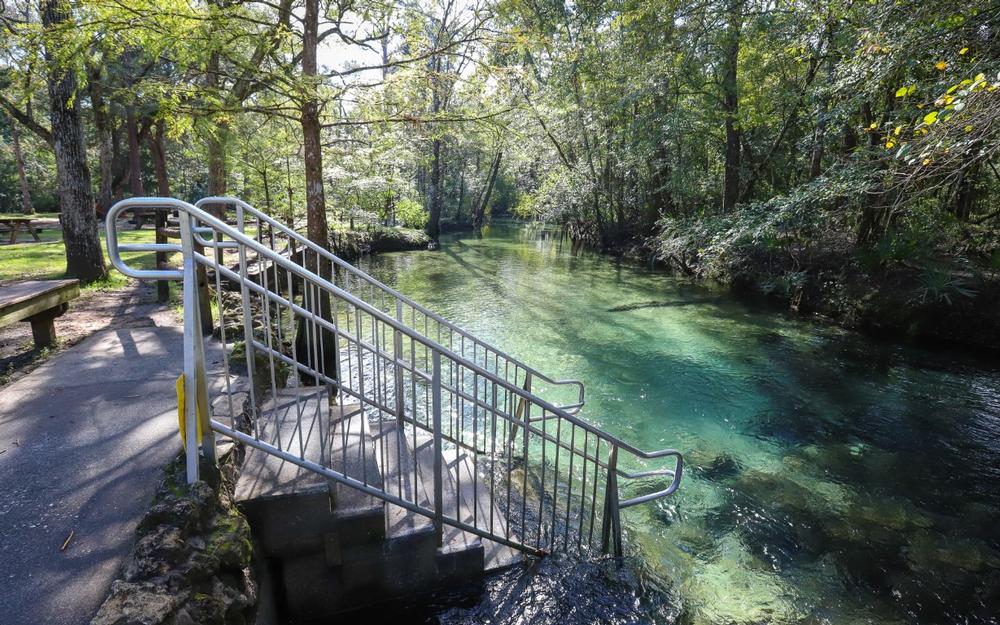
x: 16, y: 223
x: 37, y: 301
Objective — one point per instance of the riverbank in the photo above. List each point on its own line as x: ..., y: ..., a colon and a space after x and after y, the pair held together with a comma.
x: 931, y: 301
x: 936, y: 301
x: 351, y: 244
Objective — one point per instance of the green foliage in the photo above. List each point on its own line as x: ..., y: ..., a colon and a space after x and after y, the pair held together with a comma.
x: 783, y: 231
x: 938, y: 285
x: 411, y: 213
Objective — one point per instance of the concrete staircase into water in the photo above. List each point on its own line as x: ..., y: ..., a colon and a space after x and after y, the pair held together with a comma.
x: 333, y: 547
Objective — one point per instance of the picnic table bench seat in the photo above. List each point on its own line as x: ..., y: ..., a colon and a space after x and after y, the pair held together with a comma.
x: 38, y: 302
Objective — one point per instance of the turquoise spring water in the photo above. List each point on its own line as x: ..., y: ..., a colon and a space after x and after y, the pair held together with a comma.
x: 835, y: 478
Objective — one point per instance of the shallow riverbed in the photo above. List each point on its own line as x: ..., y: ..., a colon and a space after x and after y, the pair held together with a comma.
x: 834, y: 478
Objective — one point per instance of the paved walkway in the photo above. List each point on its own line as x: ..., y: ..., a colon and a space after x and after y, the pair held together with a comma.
x: 83, y: 440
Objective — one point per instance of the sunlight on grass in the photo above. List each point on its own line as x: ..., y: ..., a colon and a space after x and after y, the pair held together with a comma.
x: 47, y: 260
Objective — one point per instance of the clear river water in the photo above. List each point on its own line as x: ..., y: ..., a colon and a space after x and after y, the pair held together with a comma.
x: 834, y: 477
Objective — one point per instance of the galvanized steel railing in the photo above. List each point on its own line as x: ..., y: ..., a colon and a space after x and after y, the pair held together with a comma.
x: 551, y: 478
x: 281, y: 238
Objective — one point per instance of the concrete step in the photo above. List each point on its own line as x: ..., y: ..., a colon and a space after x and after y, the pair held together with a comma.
x: 340, y: 548
x: 359, y: 518
x: 461, y: 553
x: 402, y: 480
x: 409, y: 476
x: 288, y: 506
x: 479, y: 509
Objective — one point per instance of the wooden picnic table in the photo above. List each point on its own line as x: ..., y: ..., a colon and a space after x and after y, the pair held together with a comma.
x: 17, y: 222
x: 37, y: 301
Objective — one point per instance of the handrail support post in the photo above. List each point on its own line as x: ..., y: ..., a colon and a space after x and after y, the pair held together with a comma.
x: 611, y: 525
x: 438, y: 466
x: 397, y: 358
x: 195, y: 380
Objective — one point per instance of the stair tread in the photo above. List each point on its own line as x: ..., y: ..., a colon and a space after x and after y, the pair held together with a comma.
x: 458, y: 489
x: 478, y: 510
x: 401, y: 520
x: 396, y: 462
x: 295, y: 421
x: 352, y: 454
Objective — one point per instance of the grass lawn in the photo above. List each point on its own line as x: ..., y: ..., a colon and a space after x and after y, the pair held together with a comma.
x: 46, y: 260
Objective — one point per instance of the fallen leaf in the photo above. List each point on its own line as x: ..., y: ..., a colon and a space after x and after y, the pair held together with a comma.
x: 66, y: 542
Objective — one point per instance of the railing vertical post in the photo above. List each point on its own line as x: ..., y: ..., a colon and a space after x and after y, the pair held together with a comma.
x: 520, y: 410
x: 438, y: 467
x: 397, y: 358
x: 248, y: 336
x: 611, y: 524
x: 195, y: 383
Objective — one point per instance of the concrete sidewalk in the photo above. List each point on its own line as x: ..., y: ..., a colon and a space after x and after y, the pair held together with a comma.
x: 83, y: 441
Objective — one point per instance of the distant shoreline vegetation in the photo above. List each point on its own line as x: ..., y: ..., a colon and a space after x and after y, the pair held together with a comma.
x: 936, y: 304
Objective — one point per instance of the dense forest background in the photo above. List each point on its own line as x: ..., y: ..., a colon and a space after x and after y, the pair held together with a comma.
x: 838, y: 155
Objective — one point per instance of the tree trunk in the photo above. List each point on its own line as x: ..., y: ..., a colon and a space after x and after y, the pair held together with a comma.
x: 869, y: 227
x: 290, y: 216
x: 461, y: 193
x: 730, y: 106
x: 477, y: 220
x: 217, y: 163
x: 84, y: 258
x: 22, y: 176
x: 317, y: 228
x: 267, y: 189
x: 966, y: 193
x: 134, y: 153
x: 433, y: 228
x: 105, y: 147
x: 157, y: 150
x: 134, y: 162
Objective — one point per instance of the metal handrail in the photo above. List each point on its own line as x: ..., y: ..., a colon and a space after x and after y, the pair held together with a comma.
x: 242, y: 205
x: 191, y: 237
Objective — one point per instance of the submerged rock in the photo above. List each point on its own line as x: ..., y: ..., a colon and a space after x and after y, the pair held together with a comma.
x: 693, y: 538
x: 893, y: 513
x: 929, y: 553
x: 857, y: 463
x: 712, y: 466
x: 737, y: 589
x: 773, y: 489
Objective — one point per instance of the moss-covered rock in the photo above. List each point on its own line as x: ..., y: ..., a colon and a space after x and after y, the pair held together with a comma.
x: 738, y: 589
x: 138, y: 604
x: 893, y: 513
x: 191, y: 560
